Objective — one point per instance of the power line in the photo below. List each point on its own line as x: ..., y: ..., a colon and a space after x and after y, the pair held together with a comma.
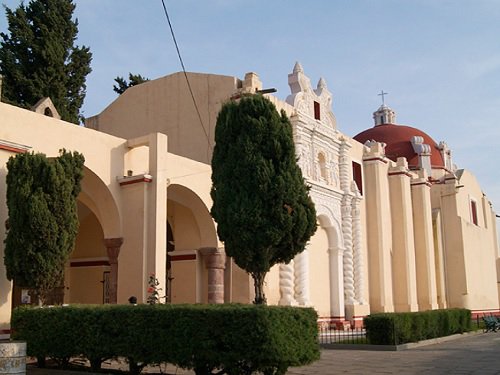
x: 185, y: 74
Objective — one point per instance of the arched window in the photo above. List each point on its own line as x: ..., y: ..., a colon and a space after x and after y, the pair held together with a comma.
x: 48, y: 112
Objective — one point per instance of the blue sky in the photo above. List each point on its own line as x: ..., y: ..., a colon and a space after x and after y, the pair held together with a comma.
x: 439, y: 60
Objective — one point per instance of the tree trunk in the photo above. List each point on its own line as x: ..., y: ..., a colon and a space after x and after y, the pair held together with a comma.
x: 258, y: 281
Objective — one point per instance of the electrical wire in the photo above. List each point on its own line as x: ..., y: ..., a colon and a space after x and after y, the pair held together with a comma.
x: 185, y: 74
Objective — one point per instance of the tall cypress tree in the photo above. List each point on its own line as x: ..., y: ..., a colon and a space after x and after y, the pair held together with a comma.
x: 261, y: 203
x: 38, y: 57
x: 43, y: 219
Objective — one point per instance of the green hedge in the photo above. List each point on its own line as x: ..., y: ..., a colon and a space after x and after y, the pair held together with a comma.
x: 240, y: 339
x: 401, y: 328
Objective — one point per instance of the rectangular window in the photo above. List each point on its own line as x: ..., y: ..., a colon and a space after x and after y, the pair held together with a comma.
x: 473, y: 210
x: 357, y: 176
x: 317, y: 111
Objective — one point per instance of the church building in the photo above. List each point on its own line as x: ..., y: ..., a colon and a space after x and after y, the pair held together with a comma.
x: 400, y: 227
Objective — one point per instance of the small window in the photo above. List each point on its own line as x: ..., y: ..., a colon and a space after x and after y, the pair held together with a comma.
x: 317, y: 111
x: 357, y: 176
x: 473, y: 210
x: 48, y: 112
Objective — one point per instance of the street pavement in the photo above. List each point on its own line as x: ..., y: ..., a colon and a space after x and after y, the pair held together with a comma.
x: 477, y: 354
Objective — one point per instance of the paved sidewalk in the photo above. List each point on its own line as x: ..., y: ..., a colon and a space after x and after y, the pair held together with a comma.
x: 470, y: 354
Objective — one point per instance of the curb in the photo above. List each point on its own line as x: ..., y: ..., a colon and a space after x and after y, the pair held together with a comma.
x: 395, y: 348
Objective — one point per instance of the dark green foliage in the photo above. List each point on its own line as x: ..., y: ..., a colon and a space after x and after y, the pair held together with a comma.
x: 261, y: 203
x: 38, y: 57
x: 43, y: 220
x: 240, y: 339
x: 401, y: 328
x: 134, y: 79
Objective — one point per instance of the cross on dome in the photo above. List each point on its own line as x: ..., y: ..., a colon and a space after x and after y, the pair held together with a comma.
x: 382, y: 93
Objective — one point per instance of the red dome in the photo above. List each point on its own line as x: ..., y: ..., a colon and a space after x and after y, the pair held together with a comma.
x: 398, y: 141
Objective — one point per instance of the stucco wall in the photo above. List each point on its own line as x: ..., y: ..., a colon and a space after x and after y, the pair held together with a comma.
x: 165, y: 105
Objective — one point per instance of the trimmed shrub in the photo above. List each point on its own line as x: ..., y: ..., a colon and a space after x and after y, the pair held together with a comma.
x: 401, y: 328
x: 240, y: 339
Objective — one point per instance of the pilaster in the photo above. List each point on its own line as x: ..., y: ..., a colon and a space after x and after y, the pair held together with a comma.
x: 403, y: 242
x: 379, y: 231
x: 336, y: 282
x: 113, y: 246
x: 424, y: 242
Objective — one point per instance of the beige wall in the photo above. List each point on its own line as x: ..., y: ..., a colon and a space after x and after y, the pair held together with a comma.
x: 479, y: 246
x: 184, y: 283
x: 165, y: 105
x: 5, y: 285
x: 86, y: 284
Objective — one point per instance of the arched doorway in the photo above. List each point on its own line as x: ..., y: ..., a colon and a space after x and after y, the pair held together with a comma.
x: 89, y: 273
x: 191, y: 228
x: 87, y: 277
x: 326, y: 267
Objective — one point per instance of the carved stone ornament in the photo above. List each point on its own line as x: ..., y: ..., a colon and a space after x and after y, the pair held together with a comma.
x: 303, y: 96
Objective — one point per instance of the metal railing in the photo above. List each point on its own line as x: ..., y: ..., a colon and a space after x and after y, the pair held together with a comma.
x: 342, y: 336
x: 332, y: 335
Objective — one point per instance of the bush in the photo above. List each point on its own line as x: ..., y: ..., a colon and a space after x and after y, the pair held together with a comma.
x: 240, y: 339
x: 400, y: 328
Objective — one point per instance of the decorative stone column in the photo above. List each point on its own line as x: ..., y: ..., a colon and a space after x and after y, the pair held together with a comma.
x: 113, y: 246
x: 301, y: 265
x: 215, y: 263
x: 348, y: 255
x: 286, y: 285
x: 358, y: 259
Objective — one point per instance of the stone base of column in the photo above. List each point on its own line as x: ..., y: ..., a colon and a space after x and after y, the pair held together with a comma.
x: 428, y: 306
x: 340, y: 323
x: 405, y: 307
x: 356, y: 313
x: 288, y: 302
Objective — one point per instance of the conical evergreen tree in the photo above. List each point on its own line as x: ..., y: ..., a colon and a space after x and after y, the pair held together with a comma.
x: 38, y: 57
x: 261, y: 203
x: 43, y: 219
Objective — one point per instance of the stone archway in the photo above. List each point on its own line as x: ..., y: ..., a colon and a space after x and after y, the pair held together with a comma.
x: 192, y: 227
x: 92, y: 273
x: 335, y: 265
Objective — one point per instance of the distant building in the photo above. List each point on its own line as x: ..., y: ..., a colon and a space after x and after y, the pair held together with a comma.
x: 400, y: 227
